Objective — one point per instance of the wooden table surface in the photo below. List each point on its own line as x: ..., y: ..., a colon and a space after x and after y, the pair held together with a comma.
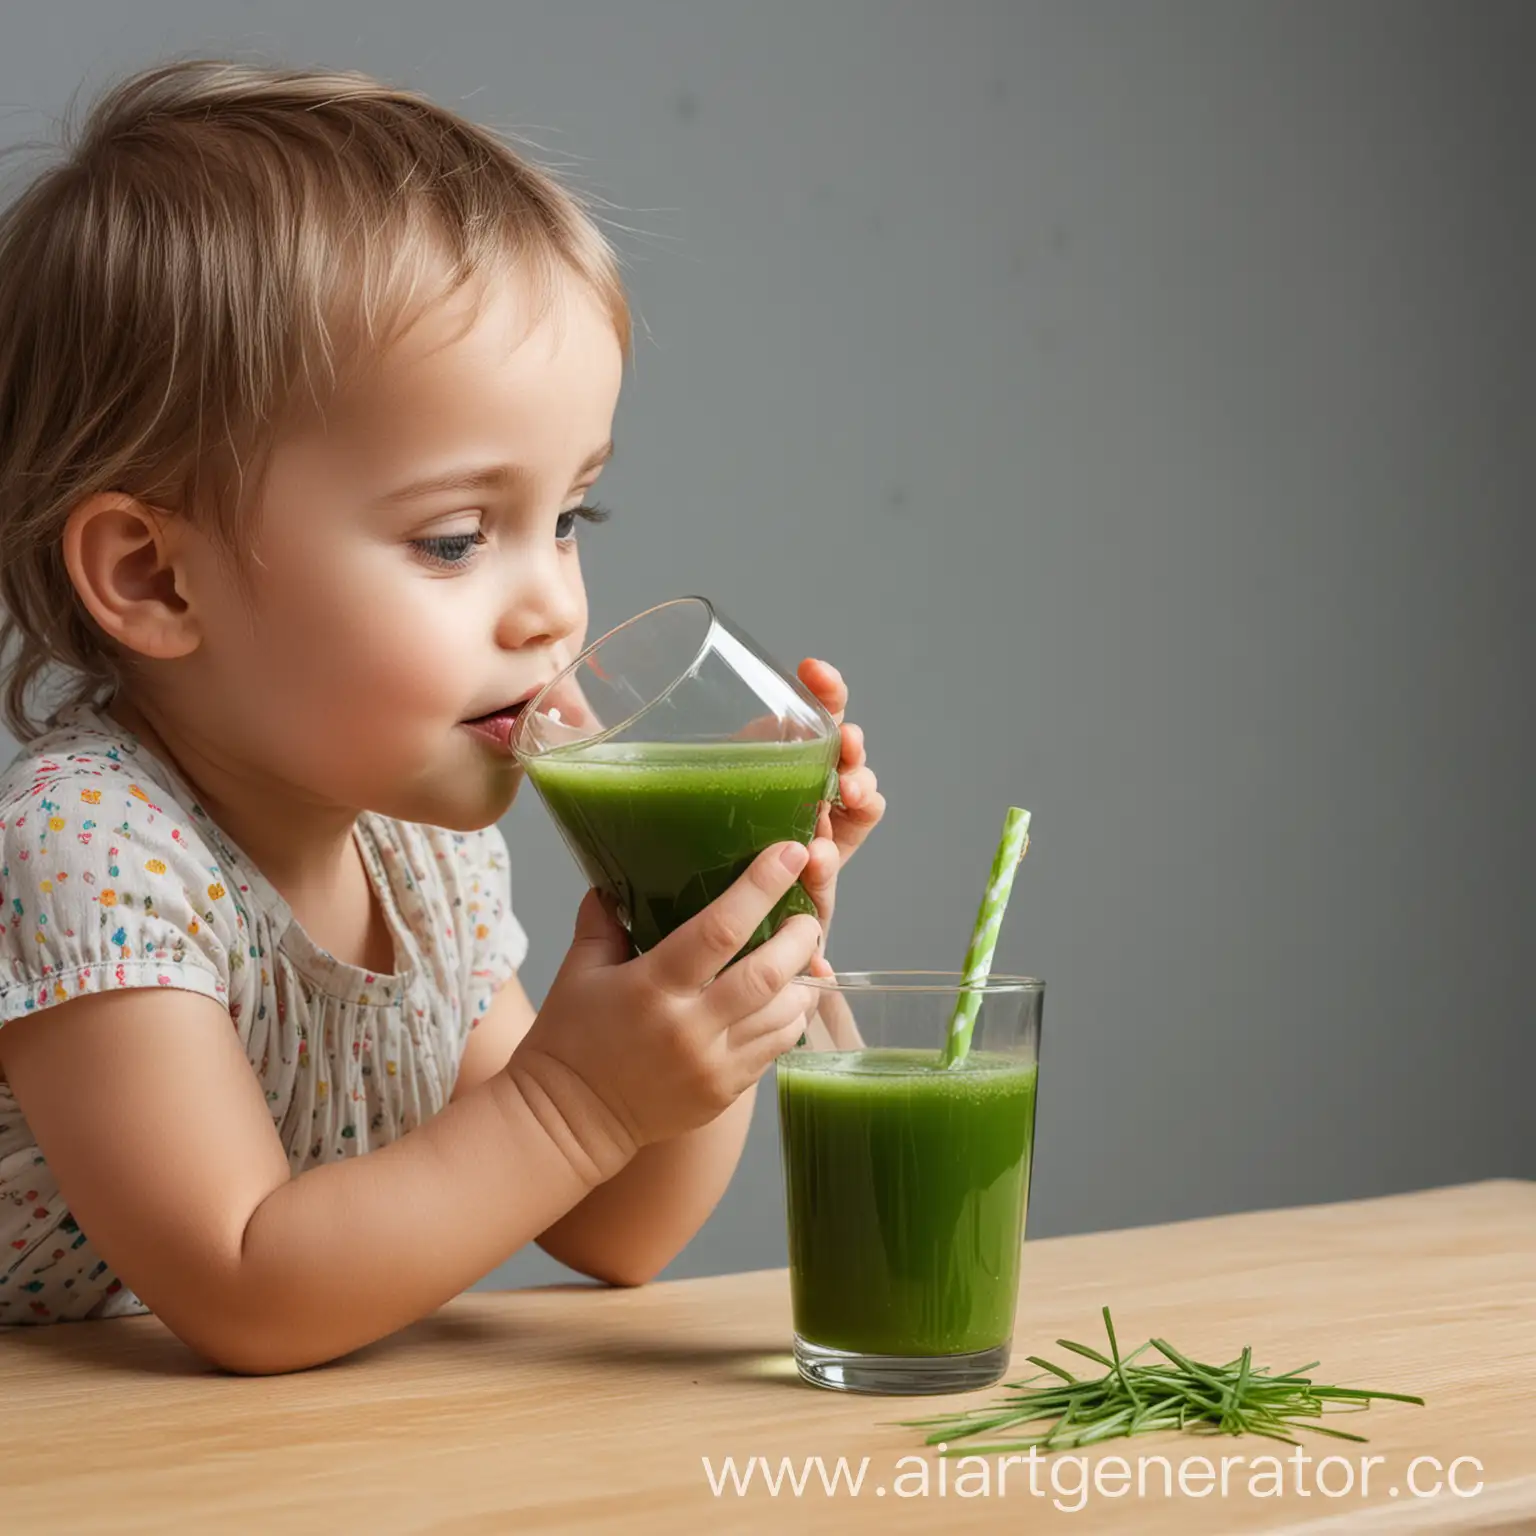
x: 576, y: 1408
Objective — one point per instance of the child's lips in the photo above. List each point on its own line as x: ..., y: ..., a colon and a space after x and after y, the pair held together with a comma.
x: 497, y: 727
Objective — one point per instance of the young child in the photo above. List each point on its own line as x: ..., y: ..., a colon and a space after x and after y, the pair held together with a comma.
x: 304, y: 384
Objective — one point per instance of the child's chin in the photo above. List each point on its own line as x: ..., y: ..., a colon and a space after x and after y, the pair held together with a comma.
x: 461, y: 813
x: 461, y: 804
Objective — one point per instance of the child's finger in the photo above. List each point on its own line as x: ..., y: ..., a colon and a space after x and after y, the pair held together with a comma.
x: 858, y: 788
x: 824, y: 820
x: 826, y: 682
x: 831, y: 1025
x: 854, y: 826
x: 822, y: 867
x: 691, y: 956
x: 764, y: 728
x: 819, y: 878
x: 853, y: 747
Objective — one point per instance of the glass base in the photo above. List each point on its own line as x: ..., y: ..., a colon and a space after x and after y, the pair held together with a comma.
x: 900, y: 1375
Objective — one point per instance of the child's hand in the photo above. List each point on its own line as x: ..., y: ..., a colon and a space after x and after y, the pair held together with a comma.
x: 841, y: 829
x: 632, y: 1051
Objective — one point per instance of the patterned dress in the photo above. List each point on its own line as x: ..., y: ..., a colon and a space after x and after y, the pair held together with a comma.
x: 112, y: 875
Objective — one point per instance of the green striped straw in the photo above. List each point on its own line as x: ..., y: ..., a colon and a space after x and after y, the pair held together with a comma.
x: 978, y: 959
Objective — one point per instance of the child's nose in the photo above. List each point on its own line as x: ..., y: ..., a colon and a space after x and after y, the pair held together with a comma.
x: 543, y: 608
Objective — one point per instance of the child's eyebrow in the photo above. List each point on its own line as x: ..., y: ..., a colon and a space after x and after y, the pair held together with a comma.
x: 598, y: 459
x: 488, y: 477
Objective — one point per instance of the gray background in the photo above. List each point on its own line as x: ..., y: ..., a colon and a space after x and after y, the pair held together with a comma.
x: 1134, y: 400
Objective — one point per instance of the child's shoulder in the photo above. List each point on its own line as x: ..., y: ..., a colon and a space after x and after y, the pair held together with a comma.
x: 105, y: 879
x: 76, y: 745
x: 82, y: 800
x: 82, y: 748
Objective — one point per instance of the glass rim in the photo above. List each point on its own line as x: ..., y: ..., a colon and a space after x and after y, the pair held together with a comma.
x: 919, y: 981
x: 532, y: 707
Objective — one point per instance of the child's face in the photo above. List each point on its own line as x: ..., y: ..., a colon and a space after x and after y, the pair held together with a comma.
x: 369, y: 648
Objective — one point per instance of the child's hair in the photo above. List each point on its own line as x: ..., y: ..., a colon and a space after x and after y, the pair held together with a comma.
x: 220, y: 247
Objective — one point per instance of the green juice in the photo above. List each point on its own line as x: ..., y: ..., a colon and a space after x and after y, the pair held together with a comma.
x: 905, y: 1186
x: 666, y: 827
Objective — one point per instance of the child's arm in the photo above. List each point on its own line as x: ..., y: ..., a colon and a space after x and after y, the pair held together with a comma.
x: 158, y: 1133
x: 633, y: 1225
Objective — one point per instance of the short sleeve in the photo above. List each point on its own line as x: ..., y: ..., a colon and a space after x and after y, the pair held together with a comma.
x: 492, y: 942
x: 105, y: 884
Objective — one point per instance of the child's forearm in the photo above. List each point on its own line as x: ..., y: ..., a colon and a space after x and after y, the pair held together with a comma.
x: 349, y: 1252
x: 629, y: 1228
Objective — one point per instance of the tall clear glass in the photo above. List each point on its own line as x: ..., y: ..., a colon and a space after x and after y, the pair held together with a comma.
x: 670, y: 753
x: 907, y: 1182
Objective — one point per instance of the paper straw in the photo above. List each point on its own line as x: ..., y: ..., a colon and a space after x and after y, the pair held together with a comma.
x: 978, y: 959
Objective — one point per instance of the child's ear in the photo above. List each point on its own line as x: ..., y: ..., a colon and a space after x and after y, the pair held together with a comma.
x: 126, y: 560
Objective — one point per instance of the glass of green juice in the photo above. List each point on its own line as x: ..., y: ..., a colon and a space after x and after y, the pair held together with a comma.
x: 671, y: 753
x: 906, y: 1181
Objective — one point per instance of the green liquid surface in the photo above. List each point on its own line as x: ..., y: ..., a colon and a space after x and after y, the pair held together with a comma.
x: 906, y: 1186
x: 666, y: 827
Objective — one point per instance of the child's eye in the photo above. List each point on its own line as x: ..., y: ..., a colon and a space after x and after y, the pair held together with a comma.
x: 565, y: 524
x: 449, y: 551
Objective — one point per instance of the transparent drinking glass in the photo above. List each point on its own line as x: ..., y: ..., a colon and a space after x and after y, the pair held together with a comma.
x: 907, y: 1182
x: 671, y: 753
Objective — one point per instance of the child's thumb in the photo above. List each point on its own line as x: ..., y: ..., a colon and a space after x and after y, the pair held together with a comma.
x: 600, y: 938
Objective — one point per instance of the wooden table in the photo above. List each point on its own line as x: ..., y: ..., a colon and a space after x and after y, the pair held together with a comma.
x: 576, y: 1408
